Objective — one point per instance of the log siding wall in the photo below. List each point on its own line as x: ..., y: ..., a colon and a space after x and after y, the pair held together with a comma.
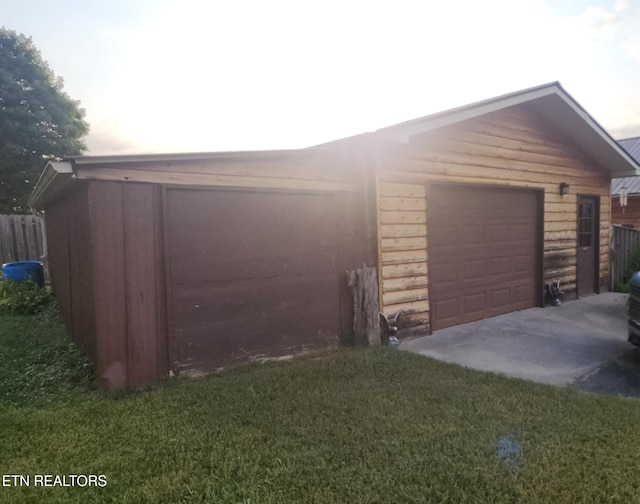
x: 511, y: 148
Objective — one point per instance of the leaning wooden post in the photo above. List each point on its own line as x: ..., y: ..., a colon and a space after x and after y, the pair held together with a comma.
x: 366, y: 310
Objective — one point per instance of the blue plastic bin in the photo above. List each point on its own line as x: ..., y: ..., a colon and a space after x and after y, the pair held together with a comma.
x: 24, y: 270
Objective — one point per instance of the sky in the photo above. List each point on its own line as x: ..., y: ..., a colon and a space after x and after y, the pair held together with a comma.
x: 158, y: 76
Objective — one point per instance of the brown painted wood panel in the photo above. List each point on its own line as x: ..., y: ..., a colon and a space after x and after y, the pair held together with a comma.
x: 58, y: 219
x: 107, y: 233
x: 147, y: 360
x: 252, y: 275
x: 70, y: 265
x: 352, y: 252
x: 81, y: 271
x: 483, y: 252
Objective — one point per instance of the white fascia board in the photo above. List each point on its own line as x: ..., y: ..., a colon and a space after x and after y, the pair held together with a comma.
x: 603, y: 136
x: 53, y: 179
x: 568, y: 115
x: 402, y: 133
x: 188, y: 156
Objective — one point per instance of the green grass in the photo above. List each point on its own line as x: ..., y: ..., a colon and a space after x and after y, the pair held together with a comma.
x: 350, y: 426
x: 38, y: 362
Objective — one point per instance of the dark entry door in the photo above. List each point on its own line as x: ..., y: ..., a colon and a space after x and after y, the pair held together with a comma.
x: 587, y: 256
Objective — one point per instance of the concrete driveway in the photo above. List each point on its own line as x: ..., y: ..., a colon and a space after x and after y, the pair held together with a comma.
x: 581, y: 343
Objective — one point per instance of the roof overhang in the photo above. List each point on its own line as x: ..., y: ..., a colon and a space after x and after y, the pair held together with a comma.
x: 188, y: 156
x: 550, y: 101
x: 54, y: 181
x: 553, y: 103
x: 58, y: 175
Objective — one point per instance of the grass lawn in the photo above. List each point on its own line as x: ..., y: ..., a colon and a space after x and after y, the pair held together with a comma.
x: 350, y: 426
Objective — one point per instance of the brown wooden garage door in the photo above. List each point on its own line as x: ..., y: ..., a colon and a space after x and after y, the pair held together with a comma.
x: 252, y: 275
x: 483, y: 250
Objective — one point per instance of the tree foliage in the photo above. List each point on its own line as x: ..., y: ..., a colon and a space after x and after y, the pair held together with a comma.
x: 38, y: 120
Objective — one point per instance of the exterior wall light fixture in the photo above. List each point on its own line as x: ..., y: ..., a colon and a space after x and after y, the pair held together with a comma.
x: 564, y: 188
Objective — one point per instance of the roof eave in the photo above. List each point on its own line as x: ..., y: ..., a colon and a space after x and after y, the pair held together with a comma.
x: 553, y: 103
x: 403, y: 131
x: 188, y: 156
x: 55, y: 178
x: 589, y: 134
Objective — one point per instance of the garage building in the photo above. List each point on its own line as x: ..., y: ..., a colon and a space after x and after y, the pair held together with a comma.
x: 187, y: 263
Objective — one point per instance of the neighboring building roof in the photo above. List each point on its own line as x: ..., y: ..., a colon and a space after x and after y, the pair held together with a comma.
x: 632, y: 146
x: 631, y: 184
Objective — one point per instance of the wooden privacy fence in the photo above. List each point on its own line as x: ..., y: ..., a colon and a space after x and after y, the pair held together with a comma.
x: 624, y: 244
x: 22, y: 238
